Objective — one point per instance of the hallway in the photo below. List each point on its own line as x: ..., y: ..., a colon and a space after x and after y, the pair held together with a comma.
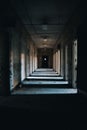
x: 39, y: 49
x: 44, y: 81
x: 43, y: 63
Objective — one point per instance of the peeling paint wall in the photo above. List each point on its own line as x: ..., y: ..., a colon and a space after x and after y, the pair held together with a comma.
x: 15, y: 58
x: 20, y: 55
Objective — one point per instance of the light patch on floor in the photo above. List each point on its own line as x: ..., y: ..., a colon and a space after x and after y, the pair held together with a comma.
x: 42, y: 69
x: 46, y: 74
x: 45, y: 91
x: 44, y: 82
x: 51, y: 78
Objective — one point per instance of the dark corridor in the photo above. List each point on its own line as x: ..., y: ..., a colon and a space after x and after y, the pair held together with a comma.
x: 45, y: 61
x: 42, y: 43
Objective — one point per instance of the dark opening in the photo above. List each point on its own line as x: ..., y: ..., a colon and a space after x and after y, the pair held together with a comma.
x: 44, y: 61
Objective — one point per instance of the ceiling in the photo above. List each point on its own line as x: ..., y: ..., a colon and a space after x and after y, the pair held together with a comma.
x: 45, y: 19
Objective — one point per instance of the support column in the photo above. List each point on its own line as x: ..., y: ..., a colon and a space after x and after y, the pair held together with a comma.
x: 31, y: 59
x: 74, y: 64
x: 62, y: 60
x: 70, y: 63
x: 59, y: 62
x: 53, y: 60
x: 56, y: 61
x: 66, y: 62
x: 35, y: 58
x: 27, y: 63
x: 23, y: 60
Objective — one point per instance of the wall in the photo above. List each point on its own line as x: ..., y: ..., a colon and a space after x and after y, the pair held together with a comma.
x: 82, y: 53
x: 62, y: 59
x: 19, y: 54
x: 66, y: 62
x: 15, y: 58
x: 4, y: 62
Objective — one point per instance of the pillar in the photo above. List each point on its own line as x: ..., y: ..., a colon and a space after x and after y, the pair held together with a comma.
x: 30, y: 59
x: 55, y: 60
x: 23, y: 59
x: 70, y: 63
x: 35, y: 58
x: 62, y: 60
x: 27, y: 62
x: 66, y: 62
x: 59, y: 62
x: 74, y: 64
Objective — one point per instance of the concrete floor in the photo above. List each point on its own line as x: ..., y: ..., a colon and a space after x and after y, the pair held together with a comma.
x: 44, y: 82
x: 37, y: 83
x: 45, y: 72
x: 64, y: 112
x: 43, y: 106
x: 35, y: 91
x: 46, y: 78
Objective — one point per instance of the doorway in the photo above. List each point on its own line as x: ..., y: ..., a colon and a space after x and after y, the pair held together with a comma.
x: 45, y: 60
